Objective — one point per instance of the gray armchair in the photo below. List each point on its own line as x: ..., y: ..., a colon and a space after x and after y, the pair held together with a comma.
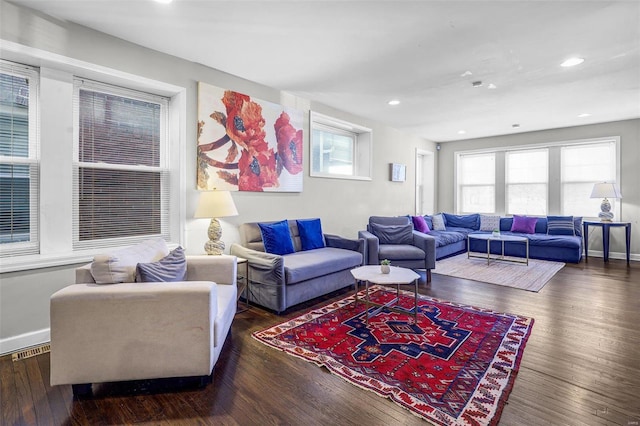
x: 393, y: 238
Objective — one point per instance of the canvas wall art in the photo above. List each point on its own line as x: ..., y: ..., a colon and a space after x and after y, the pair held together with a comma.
x: 247, y: 144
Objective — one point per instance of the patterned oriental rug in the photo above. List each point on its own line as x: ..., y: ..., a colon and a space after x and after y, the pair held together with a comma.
x: 456, y: 366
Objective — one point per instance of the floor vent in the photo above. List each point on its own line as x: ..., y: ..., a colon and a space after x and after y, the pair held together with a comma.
x: 28, y: 353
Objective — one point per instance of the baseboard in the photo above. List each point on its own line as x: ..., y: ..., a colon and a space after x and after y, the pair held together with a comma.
x: 14, y: 343
x: 613, y: 255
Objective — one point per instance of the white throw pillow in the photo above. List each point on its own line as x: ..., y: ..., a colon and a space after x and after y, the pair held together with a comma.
x: 489, y: 223
x: 120, y: 265
x: 438, y: 222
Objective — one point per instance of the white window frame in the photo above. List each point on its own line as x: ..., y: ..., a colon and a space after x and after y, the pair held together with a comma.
x: 554, y: 188
x: 458, y: 185
x: 163, y: 168
x: 33, y: 161
x: 56, y: 152
x: 509, y: 182
x: 362, y: 149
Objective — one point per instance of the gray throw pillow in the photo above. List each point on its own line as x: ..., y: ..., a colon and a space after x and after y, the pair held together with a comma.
x: 171, y: 268
x: 393, y: 234
x: 438, y: 222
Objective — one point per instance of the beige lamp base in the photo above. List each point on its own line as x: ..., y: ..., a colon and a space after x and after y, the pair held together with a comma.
x: 214, y: 246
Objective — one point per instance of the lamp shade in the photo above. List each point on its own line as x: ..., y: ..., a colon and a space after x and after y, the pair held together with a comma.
x: 606, y: 190
x: 213, y: 204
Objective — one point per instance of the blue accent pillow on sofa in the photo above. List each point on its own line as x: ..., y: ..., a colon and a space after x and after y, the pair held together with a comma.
x: 560, y: 225
x: 276, y: 237
x: 171, y: 268
x: 311, y: 236
x: 471, y: 221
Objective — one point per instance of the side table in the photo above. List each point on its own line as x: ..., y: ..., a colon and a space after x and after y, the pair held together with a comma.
x: 606, y: 227
x: 242, y: 281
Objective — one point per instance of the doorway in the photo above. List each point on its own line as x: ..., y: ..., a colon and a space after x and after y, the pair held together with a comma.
x: 425, y: 182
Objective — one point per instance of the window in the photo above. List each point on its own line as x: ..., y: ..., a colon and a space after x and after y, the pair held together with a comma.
x: 476, y: 183
x: 526, y: 180
x: 582, y: 167
x: 339, y: 149
x: 121, y: 179
x: 19, y: 167
x: 555, y: 178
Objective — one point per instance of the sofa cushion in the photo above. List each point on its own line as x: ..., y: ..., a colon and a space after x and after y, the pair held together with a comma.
x: 393, y: 234
x: 489, y: 223
x: 560, y: 225
x: 120, y: 265
x: 276, y: 237
x: 311, y: 236
x: 524, y: 224
x: 420, y: 224
x: 471, y: 221
x: 171, y: 268
x: 400, y: 252
x: 450, y: 236
x: 438, y: 222
x: 305, y: 265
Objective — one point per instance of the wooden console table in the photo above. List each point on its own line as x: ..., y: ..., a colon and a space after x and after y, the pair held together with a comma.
x: 606, y: 227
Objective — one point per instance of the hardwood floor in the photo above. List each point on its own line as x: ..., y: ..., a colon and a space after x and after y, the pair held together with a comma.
x: 581, y: 366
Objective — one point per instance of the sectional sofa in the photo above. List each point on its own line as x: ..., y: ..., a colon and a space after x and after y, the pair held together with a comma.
x: 563, y: 244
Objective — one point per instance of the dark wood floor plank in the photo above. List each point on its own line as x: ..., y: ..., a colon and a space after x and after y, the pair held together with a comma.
x: 581, y: 366
x: 9, y: 405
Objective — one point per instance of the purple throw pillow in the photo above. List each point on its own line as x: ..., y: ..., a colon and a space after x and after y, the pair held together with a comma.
x: 420, y: 224
x: 524, y: 224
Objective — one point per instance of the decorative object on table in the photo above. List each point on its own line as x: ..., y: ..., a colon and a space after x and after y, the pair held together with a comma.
x: 385, y: 266
x: 456, y: 365
x: 247, y: 144
x: 215, y: 204
x: 496, y: 233
x: 531, y: 278
x: 398, y: 172
x: 605, y: 190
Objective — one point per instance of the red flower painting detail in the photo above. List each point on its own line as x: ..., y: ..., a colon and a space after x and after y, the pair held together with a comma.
x: 250, y: 162
x: 289, y: 145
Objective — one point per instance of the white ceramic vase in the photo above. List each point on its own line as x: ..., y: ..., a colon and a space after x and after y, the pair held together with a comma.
x: 385, y: 269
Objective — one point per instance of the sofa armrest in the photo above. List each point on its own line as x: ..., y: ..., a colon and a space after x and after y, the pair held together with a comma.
x: 337, y: 241
x: 372, y: 245
x: 427, y: 244
x: 135, y: 330
x: 264, y: 268
x: 219, y: 269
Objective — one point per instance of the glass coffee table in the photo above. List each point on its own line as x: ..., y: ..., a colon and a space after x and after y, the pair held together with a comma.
x: 398, y: 276
x: 502, y: 238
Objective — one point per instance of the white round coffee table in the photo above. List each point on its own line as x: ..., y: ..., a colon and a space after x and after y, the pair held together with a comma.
x: 398, y: 276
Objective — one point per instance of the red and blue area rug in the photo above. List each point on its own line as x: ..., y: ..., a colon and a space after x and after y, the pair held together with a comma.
x: 455, y: 366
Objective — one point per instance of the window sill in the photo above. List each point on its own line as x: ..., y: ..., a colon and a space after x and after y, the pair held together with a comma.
x: 328, y: 176
x: 25, y: 263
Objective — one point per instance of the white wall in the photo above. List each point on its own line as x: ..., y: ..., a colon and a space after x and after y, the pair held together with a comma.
x: 629, y: 133
x: 343, y: 205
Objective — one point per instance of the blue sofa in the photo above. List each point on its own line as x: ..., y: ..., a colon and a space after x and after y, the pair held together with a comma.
x: 453, y: 240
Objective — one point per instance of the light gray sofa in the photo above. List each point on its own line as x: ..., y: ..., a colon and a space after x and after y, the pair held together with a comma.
x: 278, y: 282
x: 415, y: 251
x: 133, y: 331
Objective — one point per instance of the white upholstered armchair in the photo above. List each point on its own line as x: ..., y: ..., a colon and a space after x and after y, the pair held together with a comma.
x: 131, y: 330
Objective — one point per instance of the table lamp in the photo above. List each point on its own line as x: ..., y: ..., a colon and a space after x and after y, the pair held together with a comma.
x: 605, y: 190
x: 215, y: 204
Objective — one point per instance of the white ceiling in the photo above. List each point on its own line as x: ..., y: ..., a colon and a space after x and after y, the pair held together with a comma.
x: 355, y: 55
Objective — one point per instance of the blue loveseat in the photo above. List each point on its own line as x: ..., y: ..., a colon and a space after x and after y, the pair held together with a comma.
x: 453, y: 240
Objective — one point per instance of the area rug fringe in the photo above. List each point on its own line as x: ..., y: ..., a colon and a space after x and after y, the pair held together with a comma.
x: 390, y: 391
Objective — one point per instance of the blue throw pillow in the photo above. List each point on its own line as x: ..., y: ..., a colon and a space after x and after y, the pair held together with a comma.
x: 470, y: 221
x: 171, y: 268
x: 311, y: 236
x: 276, y: 237
x: 560, y: 225
x: 577, y: 225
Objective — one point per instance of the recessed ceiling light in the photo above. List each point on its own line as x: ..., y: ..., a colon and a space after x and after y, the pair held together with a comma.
x: 462, y: 132
x: 163, y: 1
x: 394, y: 102
x: 492, y: 86
x: 572, y: 62
x: 584, y: 114
x: 466, y: 74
